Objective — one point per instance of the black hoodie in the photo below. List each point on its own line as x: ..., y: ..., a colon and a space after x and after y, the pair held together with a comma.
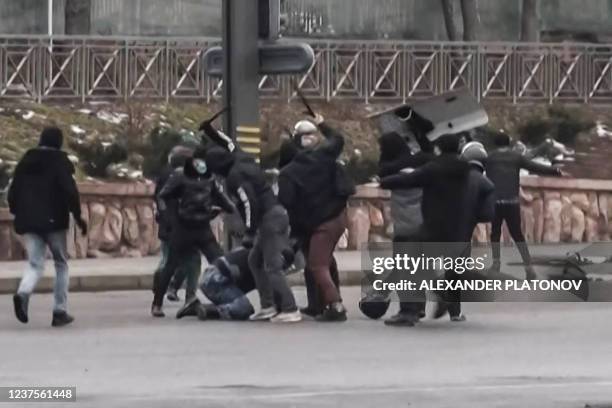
x: 246, y: 184
x: 308, y: 185
x: 43, y: 192
x: 449, y: 205
x: 196, y: 196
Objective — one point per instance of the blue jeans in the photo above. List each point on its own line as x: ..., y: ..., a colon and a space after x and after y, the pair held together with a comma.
x: 232, y: 303
x: 36, y: 248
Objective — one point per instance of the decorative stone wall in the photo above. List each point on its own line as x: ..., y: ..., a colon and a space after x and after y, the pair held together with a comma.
x: 121, y: 218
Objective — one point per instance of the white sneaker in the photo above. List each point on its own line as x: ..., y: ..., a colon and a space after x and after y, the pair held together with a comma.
x: 290, y: 317
x: 263, y: 315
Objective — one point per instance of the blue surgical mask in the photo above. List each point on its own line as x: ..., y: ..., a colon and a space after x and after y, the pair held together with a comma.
x: 200, y: 166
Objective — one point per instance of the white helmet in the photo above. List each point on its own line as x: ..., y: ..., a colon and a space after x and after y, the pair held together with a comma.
x: 304, y: 127
x: 474, y: 152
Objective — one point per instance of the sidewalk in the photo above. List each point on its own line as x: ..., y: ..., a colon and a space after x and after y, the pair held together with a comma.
x: 98, y: 275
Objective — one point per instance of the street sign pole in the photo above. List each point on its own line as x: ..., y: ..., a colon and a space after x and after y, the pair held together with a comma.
x: 241, y: 66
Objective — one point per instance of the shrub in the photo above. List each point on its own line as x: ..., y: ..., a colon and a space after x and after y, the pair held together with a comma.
x: 562, y: 124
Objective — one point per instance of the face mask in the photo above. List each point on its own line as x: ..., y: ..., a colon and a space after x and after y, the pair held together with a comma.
x: 309, y: 141
x: 200, y: 166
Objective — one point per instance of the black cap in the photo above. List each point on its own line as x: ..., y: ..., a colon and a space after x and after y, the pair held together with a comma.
x: 51, y: 137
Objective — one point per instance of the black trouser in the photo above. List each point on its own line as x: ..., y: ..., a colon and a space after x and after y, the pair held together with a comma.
x: 183, y: 240
x: 413, y: 308
x: 511, y: 214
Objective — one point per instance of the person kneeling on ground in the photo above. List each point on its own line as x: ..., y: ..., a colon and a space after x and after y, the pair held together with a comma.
x: 226, y: 283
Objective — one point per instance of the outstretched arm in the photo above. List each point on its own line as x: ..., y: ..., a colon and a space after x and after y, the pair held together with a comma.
x: 417, y: 178
x: 408, y: 161
x: 537, y: 168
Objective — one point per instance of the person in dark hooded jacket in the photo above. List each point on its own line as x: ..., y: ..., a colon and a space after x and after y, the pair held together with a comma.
x: 451, y: 205
x: 41, y: 197
x: 266, y: 222
x: 397, y: 158
x: 198, y: 201
x: 308, y: 188
x: 191, y: 265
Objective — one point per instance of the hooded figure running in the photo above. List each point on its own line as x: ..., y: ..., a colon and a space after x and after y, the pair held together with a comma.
x: 266, y: 222
x: 315, y: 189
x: 199, y: 201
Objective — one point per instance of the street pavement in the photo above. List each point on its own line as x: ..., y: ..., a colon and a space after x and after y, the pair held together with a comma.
x: 541, y: 355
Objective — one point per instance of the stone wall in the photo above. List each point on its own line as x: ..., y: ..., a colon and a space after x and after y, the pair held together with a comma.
x: 122, y: 222
x: 553, y: 211
x: 121, y: 219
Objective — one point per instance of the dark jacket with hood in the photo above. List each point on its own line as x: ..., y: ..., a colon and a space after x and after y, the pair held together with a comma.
x: 503, y: 168
x: 166, y: 210
x: 245, y: 181
x: 395, y: 156
x: 308, y: 187
x: 43, y: 192
x: 195, y: 197
x: 452, y: 197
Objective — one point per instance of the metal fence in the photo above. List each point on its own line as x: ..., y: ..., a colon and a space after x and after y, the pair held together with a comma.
x: 42, y: 68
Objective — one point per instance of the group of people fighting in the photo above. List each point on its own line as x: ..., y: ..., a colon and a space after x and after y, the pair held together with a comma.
x: 308, y: 214
x: 439, y: 194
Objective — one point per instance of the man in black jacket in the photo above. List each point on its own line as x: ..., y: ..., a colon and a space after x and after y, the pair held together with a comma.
x: 266, y: 222
x: 503, y: 168
x: 191, y: 264
x: 309, y: 189
x: 453, y: 197
x: 288, y: 151
x: 42, y: 196
x: 199, y: 200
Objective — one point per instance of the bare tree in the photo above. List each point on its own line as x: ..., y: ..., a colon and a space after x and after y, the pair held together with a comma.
x: 471, y: 21
x: 530, y: 24
x: 78, y: 17
x: 448, y: 10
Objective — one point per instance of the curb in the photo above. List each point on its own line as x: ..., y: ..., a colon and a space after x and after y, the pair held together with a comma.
x: 131, y: 282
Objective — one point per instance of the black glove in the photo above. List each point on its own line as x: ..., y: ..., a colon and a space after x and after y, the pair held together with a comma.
x: 82, y: 224
x: 248, y: 241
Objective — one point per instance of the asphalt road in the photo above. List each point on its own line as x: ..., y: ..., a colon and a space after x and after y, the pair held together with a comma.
x: 505, y: 355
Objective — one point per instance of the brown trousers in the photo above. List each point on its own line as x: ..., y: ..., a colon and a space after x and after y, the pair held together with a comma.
x: 321, y: 248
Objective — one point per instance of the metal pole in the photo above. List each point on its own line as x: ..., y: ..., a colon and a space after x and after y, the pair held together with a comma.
x: 50, y: 17
x: 241, y: 76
